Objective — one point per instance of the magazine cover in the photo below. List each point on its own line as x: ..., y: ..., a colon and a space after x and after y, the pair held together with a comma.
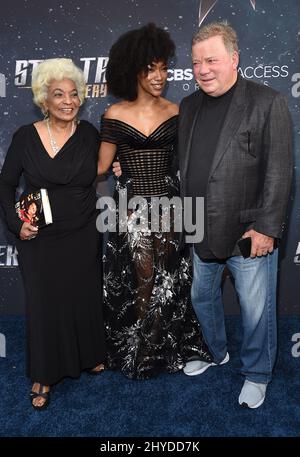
x: 35, y: 208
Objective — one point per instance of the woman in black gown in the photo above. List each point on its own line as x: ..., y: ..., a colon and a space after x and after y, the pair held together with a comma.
x: 149, y: 320
x: 60, y: 262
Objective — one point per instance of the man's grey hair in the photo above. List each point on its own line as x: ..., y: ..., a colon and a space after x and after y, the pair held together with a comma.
x: 222, y: 29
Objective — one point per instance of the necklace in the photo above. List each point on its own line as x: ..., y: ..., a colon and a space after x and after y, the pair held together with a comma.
x: 54, y: 146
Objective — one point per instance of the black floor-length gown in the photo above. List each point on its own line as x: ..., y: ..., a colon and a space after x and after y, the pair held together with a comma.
x: 61, y: 267
x: 150, y: 323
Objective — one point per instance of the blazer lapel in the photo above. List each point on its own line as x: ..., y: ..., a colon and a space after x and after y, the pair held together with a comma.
x: 189, y: 125
x: 232, y: 122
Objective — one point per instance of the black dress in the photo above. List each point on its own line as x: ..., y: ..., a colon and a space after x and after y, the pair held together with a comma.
x: 61, y: 266
x: 150, y: 324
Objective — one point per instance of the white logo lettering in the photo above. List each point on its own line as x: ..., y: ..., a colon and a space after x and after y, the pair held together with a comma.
x: 296, y: 347
x: 2, y: 345
x: 297, y: 255
x: 8, y: 256
x: 296, y: 87
x: 2, y: 85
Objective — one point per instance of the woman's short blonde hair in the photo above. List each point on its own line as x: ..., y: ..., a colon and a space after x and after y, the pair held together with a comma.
x: 55, y: 69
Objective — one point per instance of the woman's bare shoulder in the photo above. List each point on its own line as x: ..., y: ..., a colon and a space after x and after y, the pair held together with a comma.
x: 40, y: 127
x: 170, y: 107
x: 117, y: 110
x: 39, y: 124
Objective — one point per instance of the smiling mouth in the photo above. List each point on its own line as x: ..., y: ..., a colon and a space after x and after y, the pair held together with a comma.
x: 207, y: 80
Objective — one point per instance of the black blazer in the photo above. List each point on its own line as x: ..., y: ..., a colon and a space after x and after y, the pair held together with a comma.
x: 250, y: 177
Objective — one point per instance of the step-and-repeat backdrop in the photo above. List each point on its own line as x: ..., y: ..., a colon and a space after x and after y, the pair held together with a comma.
x: 33, y: 30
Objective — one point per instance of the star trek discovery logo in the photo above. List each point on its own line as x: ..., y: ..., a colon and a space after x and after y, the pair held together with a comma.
x: 93, y: 68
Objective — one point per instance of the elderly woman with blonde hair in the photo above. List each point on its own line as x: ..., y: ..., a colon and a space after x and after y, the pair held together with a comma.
x: 61, y: 263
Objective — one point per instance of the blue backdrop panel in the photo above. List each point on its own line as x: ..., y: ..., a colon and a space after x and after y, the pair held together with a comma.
x: 31, y: 30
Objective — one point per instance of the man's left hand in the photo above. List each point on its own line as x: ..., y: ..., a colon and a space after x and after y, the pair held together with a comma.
x: 260, y: 244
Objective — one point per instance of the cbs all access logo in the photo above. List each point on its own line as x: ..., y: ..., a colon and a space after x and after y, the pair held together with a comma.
x: 260, y: 73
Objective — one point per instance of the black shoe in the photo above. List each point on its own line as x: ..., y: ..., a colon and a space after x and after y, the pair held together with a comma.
x: 94, y: 372
x: 40, y: 393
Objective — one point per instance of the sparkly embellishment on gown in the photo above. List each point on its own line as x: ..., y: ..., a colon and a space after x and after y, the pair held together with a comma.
x: 149, y: 319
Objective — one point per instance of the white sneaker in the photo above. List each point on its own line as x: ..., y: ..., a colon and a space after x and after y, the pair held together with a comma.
x: 252, y: 394
x: 198, y: 366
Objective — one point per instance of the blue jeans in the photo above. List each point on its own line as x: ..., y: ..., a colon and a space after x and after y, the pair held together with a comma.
x: 255, y: 283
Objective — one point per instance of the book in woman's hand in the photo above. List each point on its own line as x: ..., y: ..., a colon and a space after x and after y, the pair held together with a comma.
x: 35, y: 208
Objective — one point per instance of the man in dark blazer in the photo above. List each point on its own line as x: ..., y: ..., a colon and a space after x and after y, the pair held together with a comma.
x: 235, y: 150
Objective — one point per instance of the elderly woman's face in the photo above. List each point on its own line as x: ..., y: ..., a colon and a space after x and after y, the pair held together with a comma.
x: 62, y: 100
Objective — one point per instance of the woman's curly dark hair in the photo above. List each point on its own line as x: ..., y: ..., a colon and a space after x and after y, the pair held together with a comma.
x: 131, y: 54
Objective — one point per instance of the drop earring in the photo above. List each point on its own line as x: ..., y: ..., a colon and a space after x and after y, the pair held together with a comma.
x: 45, y: 113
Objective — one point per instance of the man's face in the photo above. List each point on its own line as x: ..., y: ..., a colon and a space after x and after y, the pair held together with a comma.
x: 215, y: 68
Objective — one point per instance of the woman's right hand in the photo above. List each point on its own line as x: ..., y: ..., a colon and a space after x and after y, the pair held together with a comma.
x: 116, y: 168
x: 28, y: 231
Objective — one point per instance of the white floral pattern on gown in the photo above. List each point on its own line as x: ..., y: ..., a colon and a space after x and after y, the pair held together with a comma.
x: 150, y: 323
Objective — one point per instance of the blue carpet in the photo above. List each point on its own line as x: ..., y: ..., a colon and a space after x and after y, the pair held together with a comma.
x: 173, y: 405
